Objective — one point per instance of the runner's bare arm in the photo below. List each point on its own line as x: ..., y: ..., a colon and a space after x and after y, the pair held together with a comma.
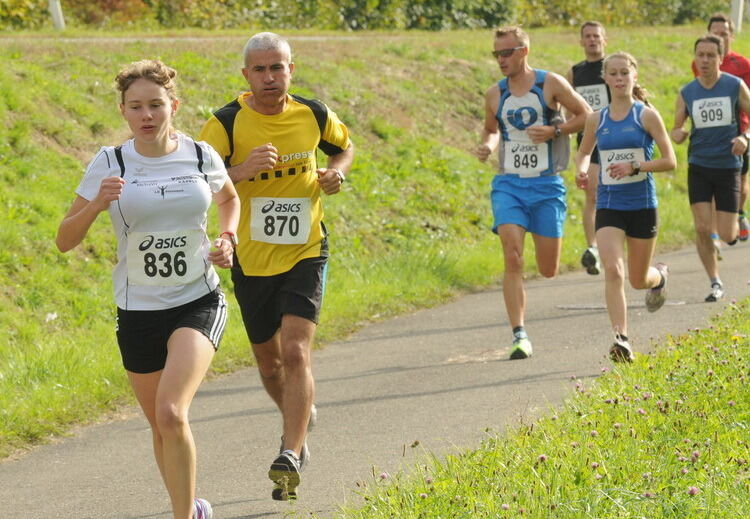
x: 654, y: 125
x: 741, y: 142
x: 490, y: 130
x: 331, y: 177
x: 583, y: 156
x: 678, y: 133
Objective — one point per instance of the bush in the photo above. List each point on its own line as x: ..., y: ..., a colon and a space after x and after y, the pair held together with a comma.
x: 357, y: 15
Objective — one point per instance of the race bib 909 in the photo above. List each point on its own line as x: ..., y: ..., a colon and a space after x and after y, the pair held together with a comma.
x: 284, y: 221
x: 712, y: 112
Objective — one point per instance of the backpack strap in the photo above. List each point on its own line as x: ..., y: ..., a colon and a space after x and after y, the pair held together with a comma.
x: 120, y: 162
x: 199, y: 154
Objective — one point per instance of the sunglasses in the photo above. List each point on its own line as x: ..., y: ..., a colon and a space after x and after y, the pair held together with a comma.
x: 505, y: 53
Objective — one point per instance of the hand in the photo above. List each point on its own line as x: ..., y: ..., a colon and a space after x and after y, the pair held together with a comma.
x: 329, y: 180
x: 582, y: 179
x: 262, y: 158
x: 222, y: 254
x: 739, y: 145
x: 620, y: 170
x: 109, y: 190
x: 482, y: 152
x: 540, y: 134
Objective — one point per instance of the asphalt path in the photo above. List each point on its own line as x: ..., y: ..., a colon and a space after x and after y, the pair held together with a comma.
x: 438, y: 378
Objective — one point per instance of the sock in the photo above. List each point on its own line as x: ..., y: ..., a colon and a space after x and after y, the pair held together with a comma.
x: 519, y: 331
x: 661, y: 283
x: 716, y: 281
x: 742, y: 212
x: 623, y: 337
x: 730, y: 243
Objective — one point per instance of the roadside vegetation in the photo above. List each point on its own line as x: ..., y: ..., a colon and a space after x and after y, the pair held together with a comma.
x: 665, y: 437
x: 411, y: 228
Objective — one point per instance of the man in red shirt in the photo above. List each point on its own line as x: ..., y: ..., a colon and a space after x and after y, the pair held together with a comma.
x: 721, y: 25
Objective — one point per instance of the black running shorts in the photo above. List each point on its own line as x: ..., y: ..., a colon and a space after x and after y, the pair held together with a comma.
x: 640, y: 223
x: 143, y: 334
x: 719, y: 184
x: 264, y: 300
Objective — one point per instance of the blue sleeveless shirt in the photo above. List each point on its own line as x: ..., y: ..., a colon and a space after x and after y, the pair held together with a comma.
x: 624, y: 141
x: 714, y: 113
x: 517, y: 154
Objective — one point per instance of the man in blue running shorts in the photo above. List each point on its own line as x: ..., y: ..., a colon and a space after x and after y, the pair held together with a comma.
x: 523, y: 121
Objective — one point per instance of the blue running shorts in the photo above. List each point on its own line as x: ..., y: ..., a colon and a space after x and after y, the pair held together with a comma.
x: 535, y: 203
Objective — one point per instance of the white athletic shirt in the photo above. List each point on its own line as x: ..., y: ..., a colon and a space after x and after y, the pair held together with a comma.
x: 160, y: 222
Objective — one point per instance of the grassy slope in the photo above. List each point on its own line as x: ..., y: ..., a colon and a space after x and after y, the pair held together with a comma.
x: 410, y: 230
x: 665, y: 437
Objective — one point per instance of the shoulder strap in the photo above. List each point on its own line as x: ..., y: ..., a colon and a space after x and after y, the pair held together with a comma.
x: 199, y: 154
x: 226, y: 115
x: 120, y: 162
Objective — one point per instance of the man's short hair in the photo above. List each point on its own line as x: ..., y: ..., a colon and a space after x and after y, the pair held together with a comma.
x: 267, y: 41
x: 517, y: 32
x: 710, y: 38
x: 593, y: 23
x: 721, y: 17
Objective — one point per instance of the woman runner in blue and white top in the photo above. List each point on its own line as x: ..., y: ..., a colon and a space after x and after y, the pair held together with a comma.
x: 712, y: 101
x: 625, y: 132
x: 171, y: 313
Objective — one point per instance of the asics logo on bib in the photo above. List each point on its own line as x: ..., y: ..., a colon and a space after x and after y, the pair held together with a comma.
x: 615, y: 156
x: 296, y: 156
x: 281, y: 208
x: 523, y: 148
x: 162, y: 243
x: 709, y: 104
x: 523, y: 117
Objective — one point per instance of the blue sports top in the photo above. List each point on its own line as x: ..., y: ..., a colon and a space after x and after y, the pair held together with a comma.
x: 517, y: 154
x: 714, y: 113
x: 624, y: 141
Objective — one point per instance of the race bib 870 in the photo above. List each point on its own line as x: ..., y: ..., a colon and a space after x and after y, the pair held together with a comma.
x: 284, y: 221
x: 166, y: 258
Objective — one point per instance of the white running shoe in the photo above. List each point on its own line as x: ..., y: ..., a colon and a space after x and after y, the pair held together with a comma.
x: 717, y: 292
x: 202, y: 509
x: 590, y: 261
x: 655, y: 297
x: 620, y: 350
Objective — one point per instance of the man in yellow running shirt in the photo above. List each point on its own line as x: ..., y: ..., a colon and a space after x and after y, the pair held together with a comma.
x: 269, y: 138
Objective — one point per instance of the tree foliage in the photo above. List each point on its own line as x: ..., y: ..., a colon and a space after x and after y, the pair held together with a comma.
x: 355, y: 15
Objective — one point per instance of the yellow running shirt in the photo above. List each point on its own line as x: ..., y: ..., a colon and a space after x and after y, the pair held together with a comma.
x: 281, y: 212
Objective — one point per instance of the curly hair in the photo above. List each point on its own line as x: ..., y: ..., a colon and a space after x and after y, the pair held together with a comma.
x: 153, y: 70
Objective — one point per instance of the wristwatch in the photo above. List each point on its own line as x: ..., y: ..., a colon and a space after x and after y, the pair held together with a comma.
x: 558, y: 131
x: 340, y: 174
x: 232, y: 237
x: 636, y: 168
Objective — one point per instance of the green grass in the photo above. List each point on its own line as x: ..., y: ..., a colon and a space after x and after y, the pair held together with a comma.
x: 410, y: 230
x: 665, y: 437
